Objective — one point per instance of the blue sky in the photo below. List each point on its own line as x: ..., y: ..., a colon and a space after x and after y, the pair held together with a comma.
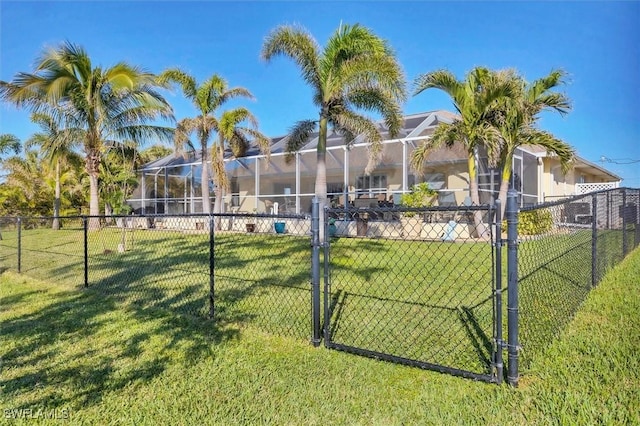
x: 597, y: 43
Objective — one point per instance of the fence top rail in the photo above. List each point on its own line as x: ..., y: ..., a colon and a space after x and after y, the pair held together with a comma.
x: 575, y: 198
x: 397, y: 209
x: 160, y: 216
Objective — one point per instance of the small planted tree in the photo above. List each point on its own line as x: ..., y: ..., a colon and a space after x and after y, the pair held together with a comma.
x: 421, y: 195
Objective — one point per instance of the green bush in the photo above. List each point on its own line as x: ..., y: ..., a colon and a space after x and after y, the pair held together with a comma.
x: 535, y: 222
x: 420, y: 196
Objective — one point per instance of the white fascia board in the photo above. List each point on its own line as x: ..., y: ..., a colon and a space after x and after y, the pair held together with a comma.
x: 535, y: 154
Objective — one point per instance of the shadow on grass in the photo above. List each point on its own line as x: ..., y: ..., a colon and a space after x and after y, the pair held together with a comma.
x: 62, y: 344
x: 448, y: 335
x: 255, y: 279
x: 556, y: 281
x: 476, y: 335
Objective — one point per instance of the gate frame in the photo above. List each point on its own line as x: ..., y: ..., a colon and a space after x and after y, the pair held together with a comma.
x: 495, y: 367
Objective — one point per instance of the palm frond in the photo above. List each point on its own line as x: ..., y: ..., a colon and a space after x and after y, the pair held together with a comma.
x: 181, y: 137
x: 369, y: 73
x: 298, y: 136
x: 219, y: 172
x: 444, y: 135
x: 357, y: 124
x: 240, y: 137
x: 297, y: 44
x: 9, y: 142
x: 565, y: 152
x: 441, y: 79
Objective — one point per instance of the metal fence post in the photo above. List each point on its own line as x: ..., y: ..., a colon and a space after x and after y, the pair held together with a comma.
x: 624, y: 222
x: 499, y: 363
x: 211, y: 267
x: 594, y: 240
x: 315, y: 270
x: 608, y: 209
x: 636, y: 241
x: 512, y: 297
x: 85, y: 227
x: 327, y: 287
x: 19, y: 244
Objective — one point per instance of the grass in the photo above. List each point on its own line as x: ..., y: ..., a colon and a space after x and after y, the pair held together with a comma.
x: 425, y: 301
x: 121, y: 364
x: 555, y: 277
x: 385, y: 293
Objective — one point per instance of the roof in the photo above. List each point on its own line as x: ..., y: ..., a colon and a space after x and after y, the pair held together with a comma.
x: 594, y: 169
x: 414, y: 125
x: 579, y: 163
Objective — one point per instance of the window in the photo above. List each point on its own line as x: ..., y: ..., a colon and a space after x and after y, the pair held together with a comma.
x: 435, y: 180
x: 371, y: 184
x: 235, y: 192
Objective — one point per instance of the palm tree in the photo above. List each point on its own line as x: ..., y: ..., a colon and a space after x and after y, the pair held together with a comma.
x: 208, y: 98
x: 355, y: 71
x: 25, y: 189
x: 117, y: 177
x: 472, y: 98
x: 115, y: 103
x: 234, y: 134
x: 154, y: 152
x: 516, y: 119
x: 9, y: 142
x: 56, y: 144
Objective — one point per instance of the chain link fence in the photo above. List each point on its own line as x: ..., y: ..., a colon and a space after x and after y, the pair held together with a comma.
x: 238, y: 268
x: 413, y: 286
x: 422, y: 287
x: 565, y: 248
x: 27, y: 246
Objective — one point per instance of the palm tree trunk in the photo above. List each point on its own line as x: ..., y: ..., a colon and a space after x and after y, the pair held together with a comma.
x: 206, y: 202
x: 321, y: 171
x: 504, y: 187
x: 481, y: 229
x: 56, y: 201
x: 217, y: 204
x: 92, y: 163
x: 94, y: 208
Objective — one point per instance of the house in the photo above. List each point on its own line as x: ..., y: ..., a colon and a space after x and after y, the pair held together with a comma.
x: 172, y: 184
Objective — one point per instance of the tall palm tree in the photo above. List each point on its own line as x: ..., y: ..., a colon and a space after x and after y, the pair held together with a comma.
x: 356, y: 71
x: 516, y: 120
x: 8, y: 143
x: 57, y: 146
x: 472, y: 98
x: 117, y: 103
x: 208, y: 98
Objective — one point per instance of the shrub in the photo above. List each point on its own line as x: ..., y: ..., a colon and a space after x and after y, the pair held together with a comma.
x: 420, y: 196
x: 535, y: 222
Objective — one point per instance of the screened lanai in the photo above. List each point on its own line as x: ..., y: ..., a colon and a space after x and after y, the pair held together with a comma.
x: 172, y: 185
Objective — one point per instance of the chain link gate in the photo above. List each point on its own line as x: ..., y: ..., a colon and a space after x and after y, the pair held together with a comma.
x: 416, y: 287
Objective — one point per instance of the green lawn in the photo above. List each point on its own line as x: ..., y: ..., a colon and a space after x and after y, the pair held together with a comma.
x: 429, y: 301
x: 108, y: 363
x: 426, y: 301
